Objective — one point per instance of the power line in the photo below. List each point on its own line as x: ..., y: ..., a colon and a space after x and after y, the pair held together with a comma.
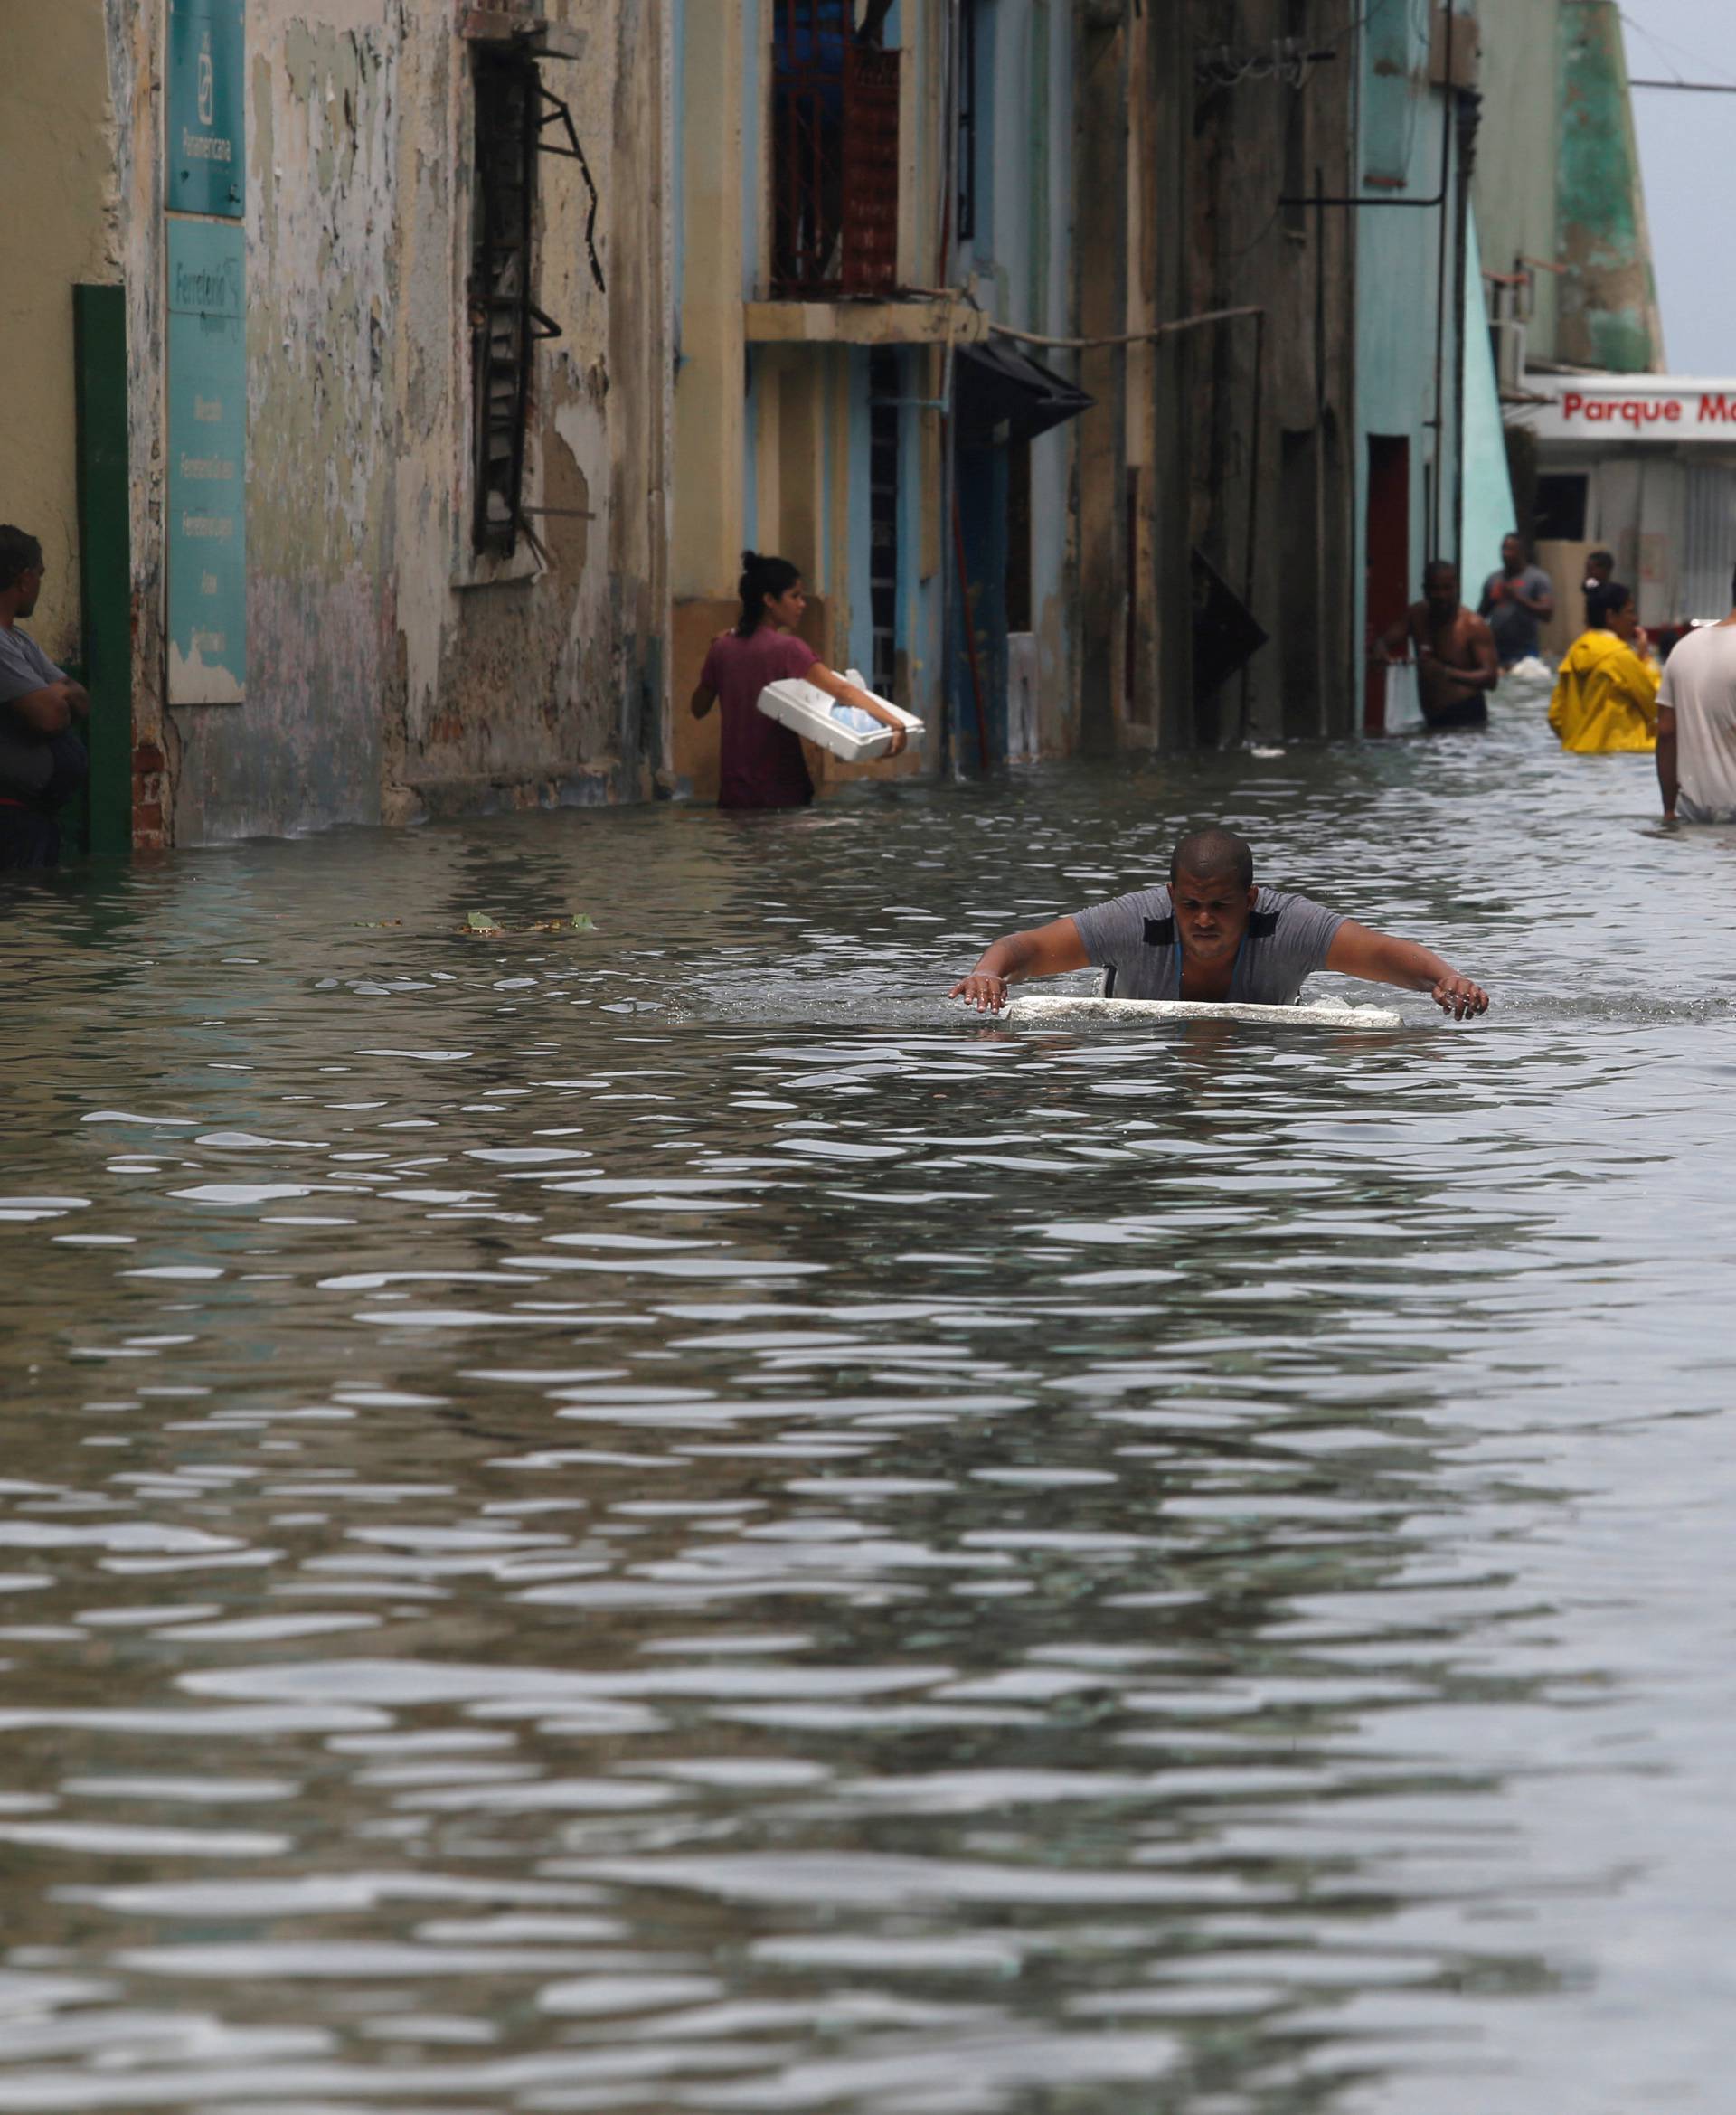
x: 1663, y: 46
x: 1704, y: 88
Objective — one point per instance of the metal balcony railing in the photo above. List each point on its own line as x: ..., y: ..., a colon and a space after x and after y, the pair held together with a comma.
x: 834, y: 156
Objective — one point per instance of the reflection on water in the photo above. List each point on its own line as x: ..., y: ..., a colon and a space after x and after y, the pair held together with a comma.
x: 654, y: 1520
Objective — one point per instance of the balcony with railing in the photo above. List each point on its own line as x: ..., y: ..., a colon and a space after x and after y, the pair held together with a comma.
x: 833, y: 157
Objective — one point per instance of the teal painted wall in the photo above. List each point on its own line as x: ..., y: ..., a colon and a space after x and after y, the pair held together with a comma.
x: 1400, y: 282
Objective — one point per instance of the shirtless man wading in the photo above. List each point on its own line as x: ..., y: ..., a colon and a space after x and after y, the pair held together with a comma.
x: 1456, y: 662
x: 1212, y: 935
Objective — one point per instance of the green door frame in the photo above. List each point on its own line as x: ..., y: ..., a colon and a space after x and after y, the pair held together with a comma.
x: 105, y: 562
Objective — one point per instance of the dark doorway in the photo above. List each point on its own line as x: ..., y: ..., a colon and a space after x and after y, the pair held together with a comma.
x: 883, y: 516
x: 980, y: 561
x: 1558, y: 516
x: 1298, y: 584
x: 1018, y: 535
x: 1386, y: 551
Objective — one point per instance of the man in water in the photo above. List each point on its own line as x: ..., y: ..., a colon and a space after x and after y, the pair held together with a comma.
x: 1696, y: 725
x: 1516, y: 601
x: 1599, y: 571
x: 1212, y: 935
x: 42, y: 762
x: 1457, y: 667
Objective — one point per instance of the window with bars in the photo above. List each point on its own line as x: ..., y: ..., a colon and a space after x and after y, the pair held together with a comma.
x: 504, y: 321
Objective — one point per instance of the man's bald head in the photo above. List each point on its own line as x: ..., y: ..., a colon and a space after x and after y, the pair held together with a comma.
x: 1211, y: 855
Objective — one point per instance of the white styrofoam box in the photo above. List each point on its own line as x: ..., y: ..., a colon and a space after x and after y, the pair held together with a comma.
x: 845, y: 730
x: 1319, y: 1013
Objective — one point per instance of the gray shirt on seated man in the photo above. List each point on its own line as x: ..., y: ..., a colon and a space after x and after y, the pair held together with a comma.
x: 42, y: 762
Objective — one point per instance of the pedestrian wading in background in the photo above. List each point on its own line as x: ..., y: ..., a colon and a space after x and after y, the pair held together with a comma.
x: 1212, y: 935
x: 1696, y: 725
x: 42, y: 762
x: 1455, y: 657
x: 762, y: 764
x: 1517, y: 601
x: 1599, y: 571
x: 1606, y: 696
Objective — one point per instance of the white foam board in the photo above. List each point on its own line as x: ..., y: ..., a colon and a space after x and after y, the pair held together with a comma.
x: 1039, y: 1010
x: 845, y: 730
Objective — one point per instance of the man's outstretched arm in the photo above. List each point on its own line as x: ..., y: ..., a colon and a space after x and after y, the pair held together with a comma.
x: 1045, y: 950
x: 1358, y: 950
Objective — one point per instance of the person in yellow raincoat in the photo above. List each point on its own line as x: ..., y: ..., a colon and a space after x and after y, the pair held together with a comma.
x: 1606, y: 696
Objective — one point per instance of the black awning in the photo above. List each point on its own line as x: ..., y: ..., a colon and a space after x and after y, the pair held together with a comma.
x: 999, y: 395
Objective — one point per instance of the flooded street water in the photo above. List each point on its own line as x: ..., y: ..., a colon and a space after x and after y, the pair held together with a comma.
x: 651, y: 1520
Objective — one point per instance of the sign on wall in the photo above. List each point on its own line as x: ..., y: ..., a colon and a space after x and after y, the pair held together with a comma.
x: 207, y: 524
x: 1631, y: 407
x: 205, y: 161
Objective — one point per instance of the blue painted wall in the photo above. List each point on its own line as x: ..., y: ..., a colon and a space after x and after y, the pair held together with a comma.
x: 1401, y: 126
x: 1402, y: 122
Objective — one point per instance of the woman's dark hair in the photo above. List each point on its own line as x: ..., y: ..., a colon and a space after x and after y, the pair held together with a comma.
x: 1602, y: 602
x: 761, y: 577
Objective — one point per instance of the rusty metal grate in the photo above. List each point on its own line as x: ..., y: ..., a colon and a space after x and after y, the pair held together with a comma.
x: 870, y: 240
x: 835, y: 155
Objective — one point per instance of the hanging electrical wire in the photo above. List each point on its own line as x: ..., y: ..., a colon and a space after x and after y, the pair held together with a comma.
x: 1288, y: 59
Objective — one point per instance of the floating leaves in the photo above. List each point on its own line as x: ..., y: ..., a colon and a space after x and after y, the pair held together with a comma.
x: 485, y: 925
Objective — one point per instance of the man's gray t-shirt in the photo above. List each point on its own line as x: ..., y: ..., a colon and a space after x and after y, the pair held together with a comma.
x: 26, y: 760
x: 1515, y: 629
x: 1134, y: 938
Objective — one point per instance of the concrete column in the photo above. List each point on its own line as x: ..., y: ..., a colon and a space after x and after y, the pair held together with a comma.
x: 709, y: 386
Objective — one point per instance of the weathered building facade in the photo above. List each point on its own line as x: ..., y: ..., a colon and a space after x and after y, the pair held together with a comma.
x: 1573, y: 307
x: 1559, y: 196
x: 1217, y: 283
x: 1430, y: 469
x: 863, y: 195
x: 431, y: 367
x: 395, y: 388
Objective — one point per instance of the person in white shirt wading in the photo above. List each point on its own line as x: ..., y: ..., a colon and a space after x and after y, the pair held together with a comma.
x: 1696, y: 725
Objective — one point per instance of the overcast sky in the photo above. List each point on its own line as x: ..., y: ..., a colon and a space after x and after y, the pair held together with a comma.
x: 1685, y: 153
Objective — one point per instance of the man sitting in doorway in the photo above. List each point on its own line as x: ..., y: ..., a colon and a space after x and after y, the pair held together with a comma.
x: 1212, y: 935
x: 1455, y: 651
x: 1516, y: 601
x: 42, y: 762
x: 1696, y: 725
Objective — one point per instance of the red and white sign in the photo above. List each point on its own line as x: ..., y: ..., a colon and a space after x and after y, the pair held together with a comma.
x: 1619, y: 407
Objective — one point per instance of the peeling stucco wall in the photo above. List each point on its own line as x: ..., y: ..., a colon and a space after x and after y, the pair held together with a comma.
x: 391, y: 673
x: 1609, y: 315
x: 57, y: 178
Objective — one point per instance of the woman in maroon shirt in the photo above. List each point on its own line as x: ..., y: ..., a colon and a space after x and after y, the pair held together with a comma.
x: 762, y: 764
